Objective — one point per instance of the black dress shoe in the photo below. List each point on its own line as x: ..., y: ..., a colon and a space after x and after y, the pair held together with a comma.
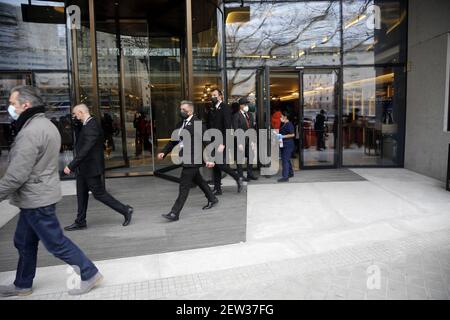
x: 217, y: 192
x: 252, y: 178
x: 128, y: 216
x: 283, y: 180
x: 76, y: 226
x: 171, y: 216
x: 211, y: 204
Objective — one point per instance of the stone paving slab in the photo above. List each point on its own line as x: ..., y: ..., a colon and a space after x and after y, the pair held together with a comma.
x: 413, y: 268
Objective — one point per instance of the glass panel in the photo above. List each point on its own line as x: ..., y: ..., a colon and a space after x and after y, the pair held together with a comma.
x: 284, y: 96
x: 374, y: 31
x: 283, y: 34
x: 30, y: 45
x: 320, y: 118
x: 206, y: 51
x: 124, y: 90
x: 138, y: 112
x: 242, y: 83
x: 84, y: 57
x: 166, y: 89
x: 373, y: 116
x: 109, y: 95
x: 34, y: 52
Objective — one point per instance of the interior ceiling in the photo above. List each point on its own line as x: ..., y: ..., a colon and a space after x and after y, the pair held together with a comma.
x: 283, y: 85
x: 164, y: 17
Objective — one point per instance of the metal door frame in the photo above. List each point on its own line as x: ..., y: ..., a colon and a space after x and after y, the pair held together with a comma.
x: 263, y: 104
x: 337, y: 147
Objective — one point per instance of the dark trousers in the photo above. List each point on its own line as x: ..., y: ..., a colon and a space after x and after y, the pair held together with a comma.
x: 247, y: 156
x: 97, y: 187
x: 286, y: 153
x: 42, y: 224
x: 225, y: 167
x: 190, y: 175
x: 320, y: 137
x: 241, y: 171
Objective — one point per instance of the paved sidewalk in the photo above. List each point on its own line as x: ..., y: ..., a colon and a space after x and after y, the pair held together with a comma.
x: 383, y: 238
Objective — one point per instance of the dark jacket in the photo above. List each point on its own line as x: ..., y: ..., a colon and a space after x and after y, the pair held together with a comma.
x: 195, y: 160
x: 89, y: 160
x: 219, y: 118
x: 240, y: 122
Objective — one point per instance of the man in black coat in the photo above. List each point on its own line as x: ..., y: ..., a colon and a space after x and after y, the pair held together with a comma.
x: 192, y: 159
x: 89, y: 165
x: 244, y: 120
x: 219, y: 117
x: 319, y: 128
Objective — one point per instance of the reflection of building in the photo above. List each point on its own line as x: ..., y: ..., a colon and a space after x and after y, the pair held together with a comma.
x: 25, y: 46
x: 298, y: 53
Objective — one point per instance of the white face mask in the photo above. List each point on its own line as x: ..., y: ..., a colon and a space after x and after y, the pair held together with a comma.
x: 12, y: 112
x: 245, y: 109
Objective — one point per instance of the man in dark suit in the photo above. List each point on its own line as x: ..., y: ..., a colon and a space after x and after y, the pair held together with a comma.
x: 319, y: 128
x: 191, y: 161
x: 244, y: 120
x: 88, y: 163
x: 219, y: 117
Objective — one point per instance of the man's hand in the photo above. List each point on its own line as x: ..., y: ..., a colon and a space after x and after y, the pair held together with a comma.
x: 67, y: 170
x: 210, y: 164
x: 241, y: 147
x: 221, y: 148
x: 160, y: 156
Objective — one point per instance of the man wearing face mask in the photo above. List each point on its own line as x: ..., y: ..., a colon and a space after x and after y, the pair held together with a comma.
x: 243, y: 119
x: 88, y: 163
x: 32, y: 183
x: 219, y: 117
x: 191, y: 161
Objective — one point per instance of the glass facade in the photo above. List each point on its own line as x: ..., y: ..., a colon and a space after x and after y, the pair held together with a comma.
x: 346, y: 58
x: 34, y: 52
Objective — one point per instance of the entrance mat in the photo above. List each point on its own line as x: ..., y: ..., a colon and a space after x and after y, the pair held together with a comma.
x: 313, y: 175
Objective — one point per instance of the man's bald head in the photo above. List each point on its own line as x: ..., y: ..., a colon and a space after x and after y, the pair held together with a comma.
x: 81, y: 112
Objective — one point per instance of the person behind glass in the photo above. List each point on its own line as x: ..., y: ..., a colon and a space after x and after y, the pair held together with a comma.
x: 191, y: 167
x: 219, y: 117
x: 89, y: 165
x: 287, y: 134
x: 319, y: 128
x: 244, y: 120
x: 32, y: 183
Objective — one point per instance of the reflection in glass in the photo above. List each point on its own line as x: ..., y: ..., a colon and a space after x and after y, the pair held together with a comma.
x: 373, y: 116
x: 33, y: 53
x: 166, y: 89
x: 109, y: 95
x: 283, y: 34
x: 124, y: 91
x: 320, y: 118
x: 206, y: 51
x: 374, y: 31
x: 138, y: 118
